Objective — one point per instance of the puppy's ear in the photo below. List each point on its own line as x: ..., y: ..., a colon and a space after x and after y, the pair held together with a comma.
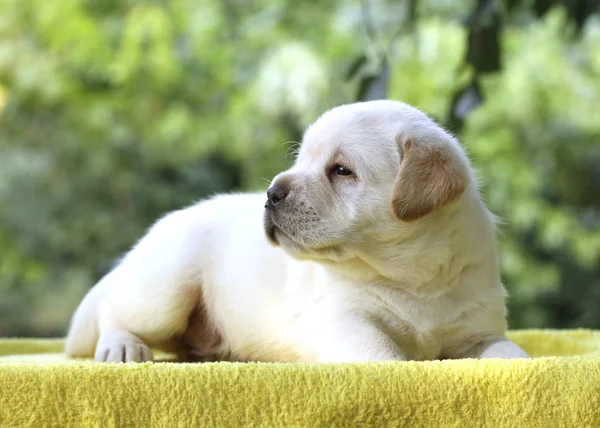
x: 429, y: 177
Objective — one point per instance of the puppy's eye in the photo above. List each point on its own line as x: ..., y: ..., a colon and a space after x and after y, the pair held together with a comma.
x: 341, y: 170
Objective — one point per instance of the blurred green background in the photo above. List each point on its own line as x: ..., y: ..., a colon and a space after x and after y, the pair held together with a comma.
x: 113, y: 112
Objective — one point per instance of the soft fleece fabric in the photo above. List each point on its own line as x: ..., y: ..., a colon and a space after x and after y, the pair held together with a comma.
x: 560, y: 388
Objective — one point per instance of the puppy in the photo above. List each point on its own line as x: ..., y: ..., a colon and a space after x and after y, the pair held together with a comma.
x: 374, y: 246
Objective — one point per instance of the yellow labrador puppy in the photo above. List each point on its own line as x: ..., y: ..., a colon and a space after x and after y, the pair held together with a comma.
x: 374, y: 246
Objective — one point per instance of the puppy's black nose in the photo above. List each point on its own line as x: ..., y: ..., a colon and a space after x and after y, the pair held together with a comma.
x: 276, y: 193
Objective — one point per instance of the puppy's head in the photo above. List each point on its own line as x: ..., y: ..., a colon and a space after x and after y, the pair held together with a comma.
x: 366, y: 172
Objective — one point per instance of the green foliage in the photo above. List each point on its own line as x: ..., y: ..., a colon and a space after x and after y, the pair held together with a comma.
x: 115, y: 112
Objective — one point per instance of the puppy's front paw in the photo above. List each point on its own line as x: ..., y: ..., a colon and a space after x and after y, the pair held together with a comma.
x: 122, y: 347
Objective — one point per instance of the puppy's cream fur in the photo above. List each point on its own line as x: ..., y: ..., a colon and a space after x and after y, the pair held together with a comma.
x: 394, y: 261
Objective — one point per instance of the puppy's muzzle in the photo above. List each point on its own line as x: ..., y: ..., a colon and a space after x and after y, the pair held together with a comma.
x: 276, y: 195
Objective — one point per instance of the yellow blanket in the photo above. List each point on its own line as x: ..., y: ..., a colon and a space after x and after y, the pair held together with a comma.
x: 39, y: 387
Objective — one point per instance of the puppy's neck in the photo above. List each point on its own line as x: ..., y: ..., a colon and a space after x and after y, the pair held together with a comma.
x: 428, y: 257
x: 354, y: 270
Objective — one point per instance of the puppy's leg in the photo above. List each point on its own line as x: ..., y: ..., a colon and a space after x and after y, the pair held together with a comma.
x: 349, y: 338
x: 496, y: 348
x: 148, y: 298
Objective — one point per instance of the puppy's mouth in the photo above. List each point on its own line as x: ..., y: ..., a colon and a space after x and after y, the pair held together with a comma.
x: 270, y: 228
x: 276, y: 233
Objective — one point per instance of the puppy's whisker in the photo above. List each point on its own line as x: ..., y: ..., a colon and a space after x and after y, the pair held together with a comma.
x: 292, y: 152
x: 292, y: 149
x: 290, y: 143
